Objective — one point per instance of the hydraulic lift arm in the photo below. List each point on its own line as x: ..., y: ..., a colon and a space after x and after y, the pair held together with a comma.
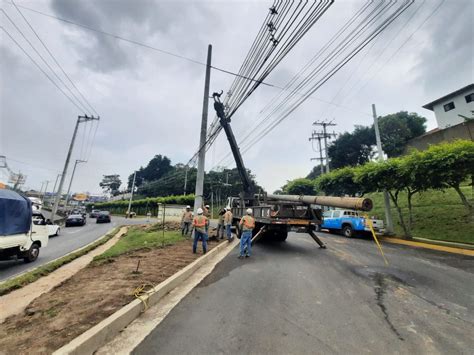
x: 248, y: 186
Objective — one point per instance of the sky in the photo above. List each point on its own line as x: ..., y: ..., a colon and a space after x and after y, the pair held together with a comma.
x: 151, y: 103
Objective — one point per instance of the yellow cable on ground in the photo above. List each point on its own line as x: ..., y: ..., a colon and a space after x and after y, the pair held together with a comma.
x: 369, y: 222
x: 142, y: 294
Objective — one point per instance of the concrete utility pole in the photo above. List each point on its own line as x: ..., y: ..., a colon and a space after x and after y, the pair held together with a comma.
x: 80, y: 119
x: 202, y: 142
x: 388, y: 211
x: 55, y: 184
x: 131, y: 196
x: 72, y: 177
x: 185, y: 180
x: 44, y: 193
x: 325, y: 135
x: 318, y: 136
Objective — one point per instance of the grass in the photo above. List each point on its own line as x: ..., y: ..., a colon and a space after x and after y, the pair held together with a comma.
x: 32, y: 276
x: 437, y: 215
x: 140, y: 238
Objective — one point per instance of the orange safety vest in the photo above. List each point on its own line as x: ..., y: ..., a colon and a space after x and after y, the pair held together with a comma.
x: 248, y: 222
x: 199, y: 221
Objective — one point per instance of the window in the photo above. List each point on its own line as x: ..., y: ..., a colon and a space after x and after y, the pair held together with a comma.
x: 327, y: 214
x: 449, y: 107
x: 336, y: 214
x: 469, y: 98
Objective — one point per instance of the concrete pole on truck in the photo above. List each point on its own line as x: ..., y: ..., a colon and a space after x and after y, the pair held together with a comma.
x: 386, y: 198
x: 72, y: 177
x: 202, y: 142
x: 80, y: 119
x: 131, y: 195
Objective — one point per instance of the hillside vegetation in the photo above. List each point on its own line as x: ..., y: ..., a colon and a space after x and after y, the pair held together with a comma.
x: 437, y: 215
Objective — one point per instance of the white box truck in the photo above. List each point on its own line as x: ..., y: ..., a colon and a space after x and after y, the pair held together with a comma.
x: 18, y: 235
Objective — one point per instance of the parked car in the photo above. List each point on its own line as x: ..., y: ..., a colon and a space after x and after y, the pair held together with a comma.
x: 40, y: 220
x: 349, y: 222
x: 103, y: 217
x: 18, y: 235
x: 75, y: 220
x: 94, y: 213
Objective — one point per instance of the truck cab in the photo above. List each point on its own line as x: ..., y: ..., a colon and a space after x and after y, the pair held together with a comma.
x: 19, y: 236
x: 349, y: 222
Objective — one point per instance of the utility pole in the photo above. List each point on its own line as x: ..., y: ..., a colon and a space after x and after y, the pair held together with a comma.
x: 318, y: 136
x: 131, y: 196
x: 72, y: 177
x: 202, y: 142
x: 325, y: 136
x: 388, y: 211
x: 185, y: 180
x: 80, y: 119
x: 55, y: 183
x: 44, y: 193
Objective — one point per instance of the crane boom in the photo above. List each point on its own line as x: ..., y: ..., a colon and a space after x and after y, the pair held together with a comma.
x: 248, y: 187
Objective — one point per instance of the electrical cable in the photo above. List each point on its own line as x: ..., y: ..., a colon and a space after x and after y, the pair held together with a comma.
x: 41, y: 69
x: 54, y: 59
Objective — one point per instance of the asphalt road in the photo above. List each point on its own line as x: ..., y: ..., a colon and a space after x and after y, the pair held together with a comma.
x: 69, y: 239
x: 294, y: 298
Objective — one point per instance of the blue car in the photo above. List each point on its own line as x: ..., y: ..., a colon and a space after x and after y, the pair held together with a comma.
x: 349, y: 223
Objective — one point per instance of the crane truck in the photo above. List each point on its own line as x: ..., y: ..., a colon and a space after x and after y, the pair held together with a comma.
x: 276, y: 215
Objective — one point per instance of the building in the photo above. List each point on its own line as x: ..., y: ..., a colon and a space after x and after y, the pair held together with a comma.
x: 454, y: 108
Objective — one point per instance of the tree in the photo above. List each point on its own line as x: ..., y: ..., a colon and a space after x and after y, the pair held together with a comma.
x: 315, y: 172
x: 351, y: 149
x: 339, y: 182
x: 449, y: 165
x: 397, y: 129
x: 157, y: 167
x: 111, y: 184
x: 301, y: 186
x: 387, y: 175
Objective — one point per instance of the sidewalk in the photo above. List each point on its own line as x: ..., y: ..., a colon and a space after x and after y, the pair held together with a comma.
x: 448, y: 247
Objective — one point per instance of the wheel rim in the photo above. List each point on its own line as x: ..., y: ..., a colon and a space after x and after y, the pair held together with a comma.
x: 347, y: 232
x: 34, y: 253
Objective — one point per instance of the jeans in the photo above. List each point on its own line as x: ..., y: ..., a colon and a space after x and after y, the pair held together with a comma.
x: 185, y: 229
x: 228, y: 231
x: 245, y: 241
x: 200, y: 236
x: 220, y: 231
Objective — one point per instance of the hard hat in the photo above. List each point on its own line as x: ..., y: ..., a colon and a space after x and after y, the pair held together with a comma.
x: 249, y: 211
x: 188, y: 207
x: 207, y: 206
x: 227, y: 208
x: 199, y: 211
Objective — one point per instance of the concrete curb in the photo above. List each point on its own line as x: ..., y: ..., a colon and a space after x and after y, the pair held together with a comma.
x: 429, y: 246
x: 442, y: 242
x: 100, y: 334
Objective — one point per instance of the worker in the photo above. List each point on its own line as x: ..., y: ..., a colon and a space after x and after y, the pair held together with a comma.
x: 220, y: 224
x: 186, y: 220
x: 247, y: 224
x: 228, y: 223
x: 200, y: 223
x: 207, y: 211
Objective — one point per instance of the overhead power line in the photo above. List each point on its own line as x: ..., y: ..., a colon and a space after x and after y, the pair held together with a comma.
x: 41, y: 69
x: 55, y: 60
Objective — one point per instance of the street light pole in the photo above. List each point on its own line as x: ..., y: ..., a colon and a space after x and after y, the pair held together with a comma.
x: 131, y: 196
x: 72, y: 177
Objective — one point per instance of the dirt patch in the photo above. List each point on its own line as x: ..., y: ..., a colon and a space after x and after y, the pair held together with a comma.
x: 93, y: 294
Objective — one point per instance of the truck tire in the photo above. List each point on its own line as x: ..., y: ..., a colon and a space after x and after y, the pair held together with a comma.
x: 280, y: 236
x: 347, y: 231
x: 32, y: 254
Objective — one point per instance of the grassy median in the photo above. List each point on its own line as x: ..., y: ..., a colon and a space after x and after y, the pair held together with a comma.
x: 139, y: 237
x: 32, y: 276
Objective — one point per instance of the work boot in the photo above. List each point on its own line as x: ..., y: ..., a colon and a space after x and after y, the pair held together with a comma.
x: 241, y: 257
